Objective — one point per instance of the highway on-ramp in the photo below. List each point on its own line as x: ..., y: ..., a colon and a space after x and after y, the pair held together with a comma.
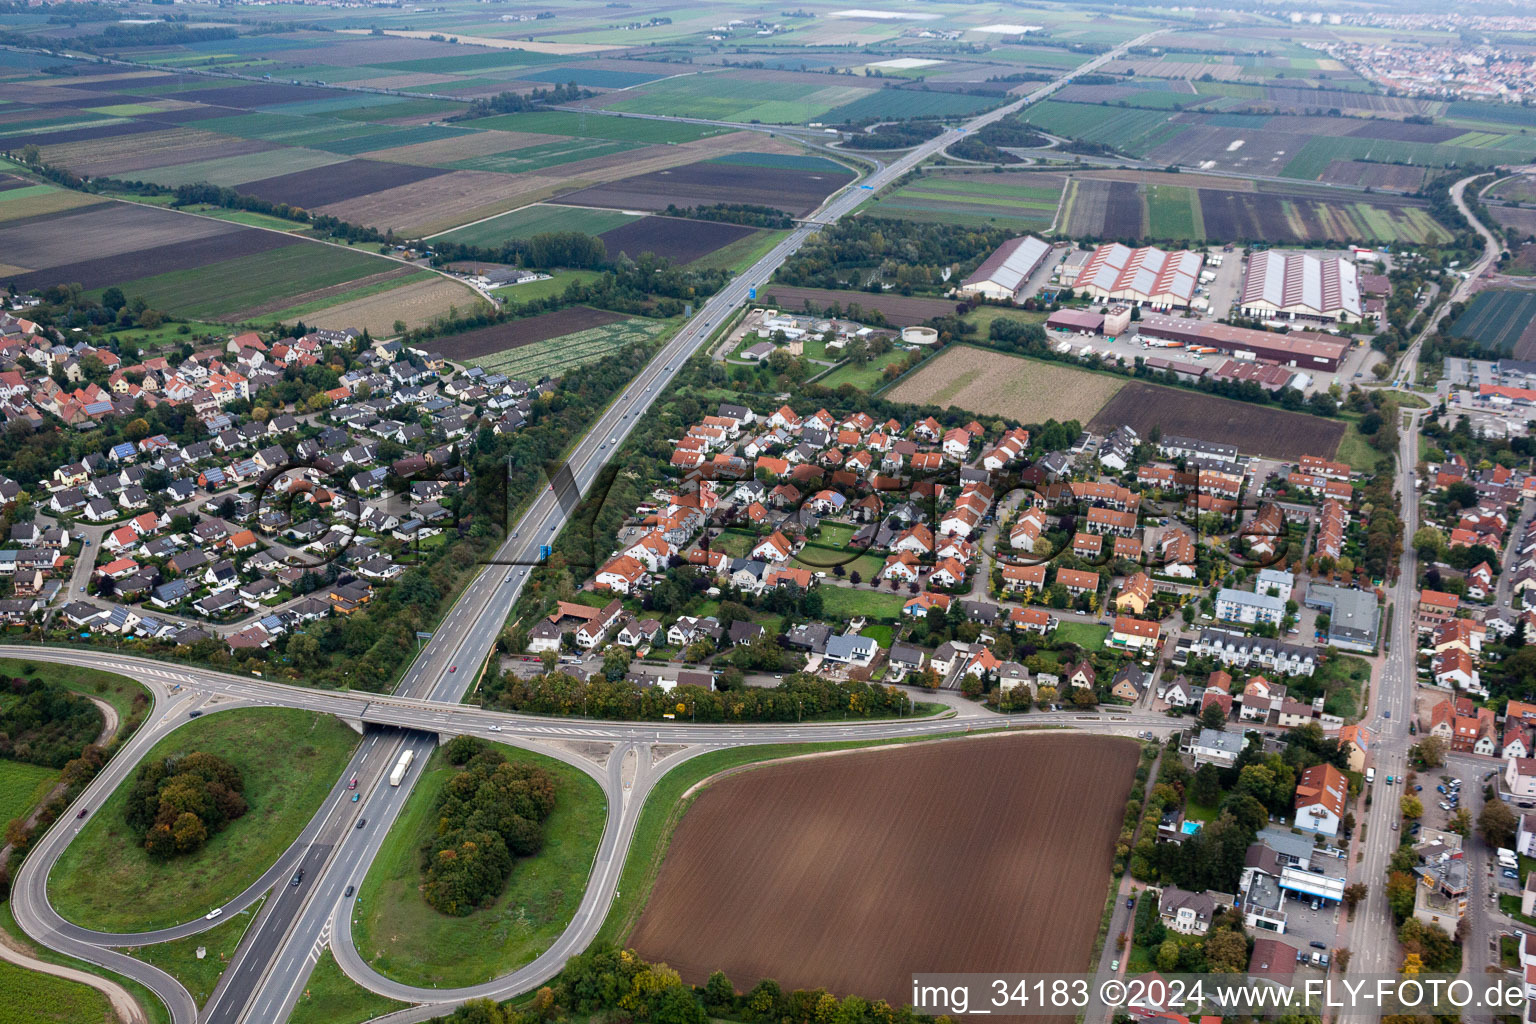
x: 279, y: 950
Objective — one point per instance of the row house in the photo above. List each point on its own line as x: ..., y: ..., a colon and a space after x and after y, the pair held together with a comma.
x: 1245, y: 651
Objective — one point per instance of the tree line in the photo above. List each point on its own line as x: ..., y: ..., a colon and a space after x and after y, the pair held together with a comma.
x: 488, y: 815
x: 45, y: 723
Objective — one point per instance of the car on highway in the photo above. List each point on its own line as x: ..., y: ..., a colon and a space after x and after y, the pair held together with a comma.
x: 298, y: 876
x: 495, y: 728
x: 348, y: 892
x: 194, y: 714
x: 215, y: 912
x: 356, y: 797
x: 353, y: 783
x: 361, y: 822
x: 452, y: 669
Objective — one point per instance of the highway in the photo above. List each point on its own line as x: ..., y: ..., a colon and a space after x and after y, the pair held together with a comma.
x: 279, y: 950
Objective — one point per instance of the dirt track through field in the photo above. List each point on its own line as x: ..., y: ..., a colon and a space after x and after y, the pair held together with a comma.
x: 855, y: 871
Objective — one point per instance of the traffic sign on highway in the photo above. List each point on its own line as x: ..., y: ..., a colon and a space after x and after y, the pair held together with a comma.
x: 423, y: 636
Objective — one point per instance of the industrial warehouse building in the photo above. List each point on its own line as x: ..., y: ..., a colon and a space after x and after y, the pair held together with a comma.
x: 1083, y: 321
x: 1147, y: 276
x: 1303, y: 349
x: 1007, y: 269
x: 1288, y: 285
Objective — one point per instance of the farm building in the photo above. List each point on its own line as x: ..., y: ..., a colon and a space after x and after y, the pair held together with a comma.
x: 1298, y: 348
x: 1079, y: 320
x: 1298, y: 284
x: 1148, y: 276
x: 1006, y: 270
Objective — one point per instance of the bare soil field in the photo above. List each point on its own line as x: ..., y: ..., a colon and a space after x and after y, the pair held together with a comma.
x: 1255, y: 429
x: 1517, y: 218
x: 768, y: 874
x: 323, y: 186
x: 103, y: 131
x: 1099, y: 208
x: 283, y: 302
x: 899, y: 310
x: 992, y: 383
x: 1400, y: 132
x: 102, y: 230
x: 115, y: 158
x: 417, y: 303
x: 795, y: 192
x: 445, y: 201
x: 679, y: 240
x: 516, y: 333
x: 1398, y: 177
x: 462, y: 147
x: 102, y: 271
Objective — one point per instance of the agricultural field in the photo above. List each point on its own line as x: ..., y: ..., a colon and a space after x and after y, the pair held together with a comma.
x: 1521, y: 220
x: 1503, y: 321
x: 36, y: 998
x: 597, y: 126
x: 772, y: 97
x: 681, y: 241
x: 1127, y: 204
x: 1520, y: 188
x: 797, y: 188
x: 550, y: 344
x: 899, y: 310
x: 289, y: 760
x: 1026, y: 202
x: 22, y: 786
x: 416, y: 301
x: 533, y: 220
x: 1037, y: 837
x: 990, y: 383
x: 1254, y: 428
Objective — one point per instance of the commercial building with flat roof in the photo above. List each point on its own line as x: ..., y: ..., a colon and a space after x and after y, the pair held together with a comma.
x: 1006, y: 270
x: 1353, y: 615
x: 1147, y: 276
x: 1080, y: 320
x: 1298, y: 284
x: 1303, y: 349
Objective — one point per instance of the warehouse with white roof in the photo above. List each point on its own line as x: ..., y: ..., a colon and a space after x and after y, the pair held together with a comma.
x: 1007, y: 270
x: 1148, y: 276
x: 1292, y: 285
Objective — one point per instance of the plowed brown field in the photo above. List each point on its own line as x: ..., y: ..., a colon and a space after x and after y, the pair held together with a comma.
x: 852, y: 872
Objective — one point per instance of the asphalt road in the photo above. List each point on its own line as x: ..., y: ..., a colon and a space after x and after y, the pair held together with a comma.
x: 334, y: 854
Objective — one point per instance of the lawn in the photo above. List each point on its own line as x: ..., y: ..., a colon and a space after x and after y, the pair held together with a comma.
x: 405, y: 939
x: 22, y: 787
x: 846, y: 603
x: 1355, y: 448
x: 1173, y: 212
x: 330, y: 997
x: 35, y: 998
x: 879, y: 634
x: 179, y: 959
x: 866, y: 377
x: 289, y: 759
x: 556, y: 284
x: 1087, y: 635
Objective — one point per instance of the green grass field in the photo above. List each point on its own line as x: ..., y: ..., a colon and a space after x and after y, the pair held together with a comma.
x: 866, y: 377
x: 742, y: 253
x: 597, y: 126
x: 1129, y: 130
x: 556, y: 284
x: 1087, y: 635
x: 404, y: 938
x: 227, y: 287
x: 548, y: 154
x: 976, y: 200
x: 846, y: 602
x: 235, y: 170
x: 1314, y: 157
x: 35, y: 998
x: 22, y: 787
x: 178, y: 958
x: 1173, y: 212
x: 897, y: 103
x: 536, y: 220
x: 330, y: 997
x: 723, y: 97
x: 1496, y: 319
x: 289, y: 760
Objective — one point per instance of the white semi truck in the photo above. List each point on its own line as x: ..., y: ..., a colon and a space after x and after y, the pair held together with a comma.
x: 401, y: 767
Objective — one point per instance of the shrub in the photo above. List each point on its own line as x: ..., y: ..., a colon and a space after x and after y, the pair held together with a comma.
x: 178, y: 802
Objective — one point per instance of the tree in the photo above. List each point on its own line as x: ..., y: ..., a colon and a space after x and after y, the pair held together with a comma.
x: 1497, y: 824
x: 1214, y: 716
x: 1227, y: 952
x: 1413, y: 964
x: 1355, y: 894
x: 718, y: 990
x: 1429, y: 542
x: 1461, y: 822
x: 1431, y: 751
x: 1400, y: 891
x: 1411, y: 807
x: 1205, y: 788
x: 1168, y: 955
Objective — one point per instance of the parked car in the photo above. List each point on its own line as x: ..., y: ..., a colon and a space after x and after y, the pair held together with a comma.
x: 1130, y: 901
x: 1318, y: 945
x: 1512, y: 873
x: 1418, y: 789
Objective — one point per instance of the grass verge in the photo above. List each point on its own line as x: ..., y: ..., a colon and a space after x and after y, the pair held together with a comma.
x: 289, y: 760
x: 22, y: 787
x: 333, y: 998
x: 403, y: 938
x: 197, y: 975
